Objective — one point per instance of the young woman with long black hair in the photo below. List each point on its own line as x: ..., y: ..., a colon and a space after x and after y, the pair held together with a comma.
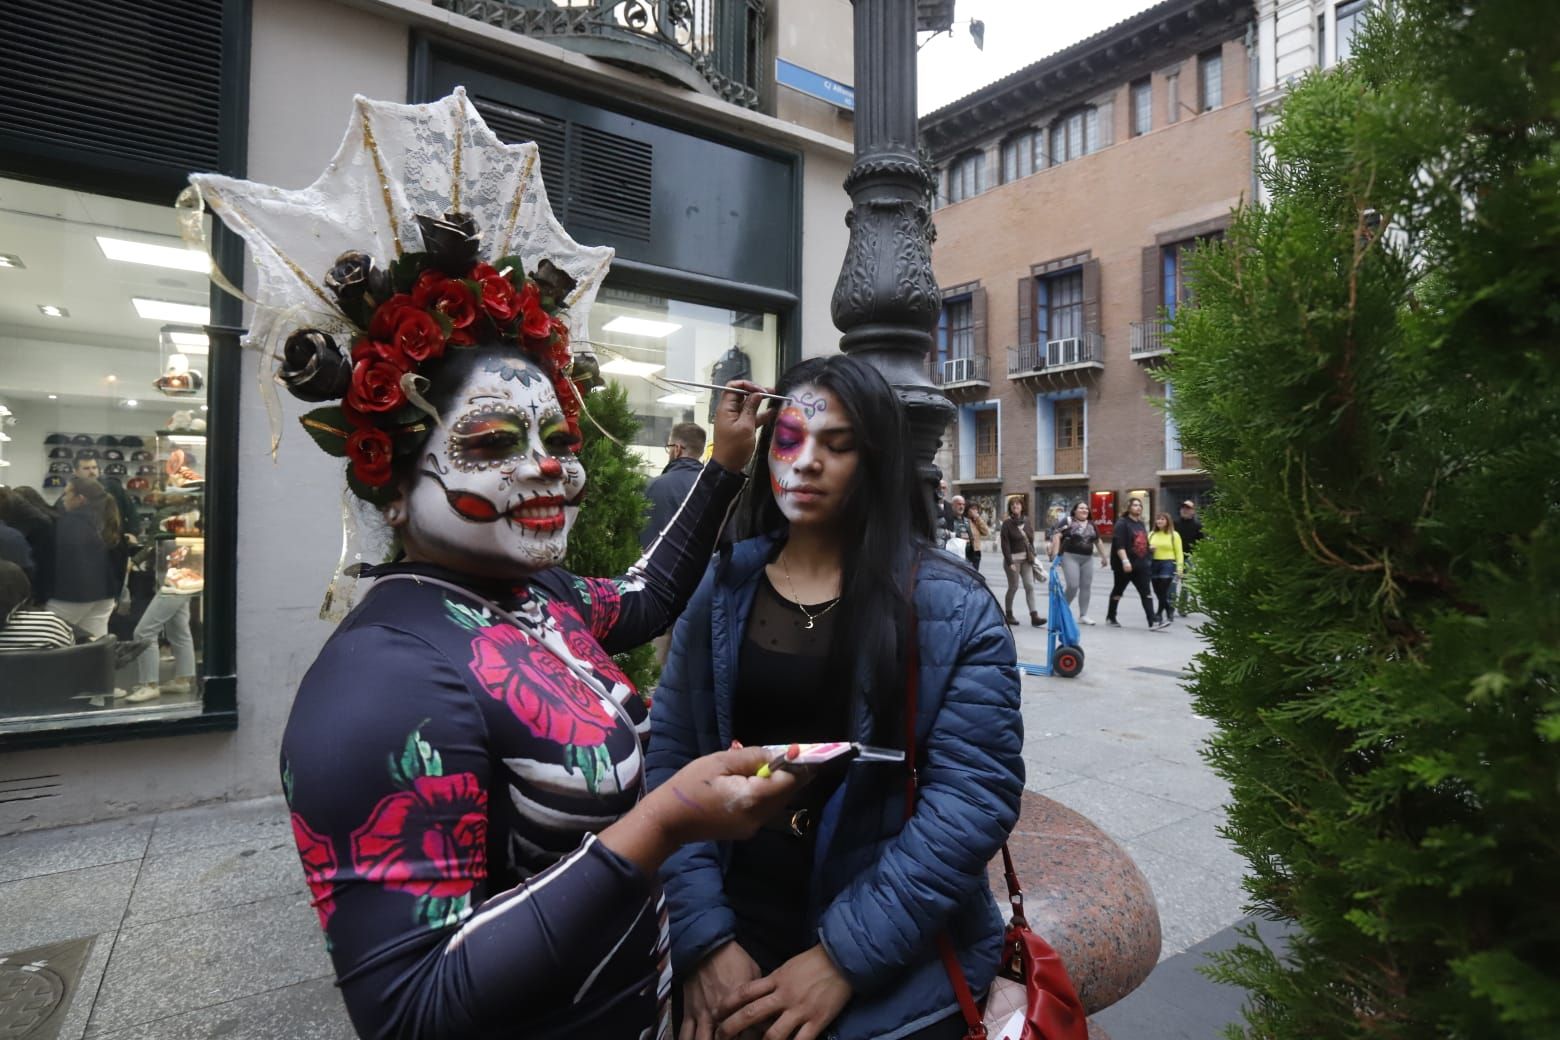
x: 801, y: 632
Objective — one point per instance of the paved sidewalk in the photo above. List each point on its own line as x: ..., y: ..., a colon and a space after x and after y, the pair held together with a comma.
x: 199, y: 925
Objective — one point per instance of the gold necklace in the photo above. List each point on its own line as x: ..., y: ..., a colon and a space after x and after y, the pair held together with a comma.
x: 797, y: 600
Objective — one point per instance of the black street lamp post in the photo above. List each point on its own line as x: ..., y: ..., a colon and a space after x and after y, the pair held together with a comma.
x: 886, y: 301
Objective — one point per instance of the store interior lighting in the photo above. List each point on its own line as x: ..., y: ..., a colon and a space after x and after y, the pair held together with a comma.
x: 189, y: 342
x: 176, y: 257
x: 682, y: 399
x: 631, y: 326
x: 49, y: 310
x: 167, y: 310
x: 625, y: 367
x: 11, y: 260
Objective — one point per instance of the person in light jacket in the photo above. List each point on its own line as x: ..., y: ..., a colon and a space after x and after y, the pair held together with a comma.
x: 827, y: 920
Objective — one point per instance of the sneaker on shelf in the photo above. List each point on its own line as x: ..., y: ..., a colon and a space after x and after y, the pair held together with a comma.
x: 1085, y: 620
x: 144, y: 692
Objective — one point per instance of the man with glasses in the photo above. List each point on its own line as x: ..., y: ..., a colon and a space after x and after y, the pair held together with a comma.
x: 685, y: 458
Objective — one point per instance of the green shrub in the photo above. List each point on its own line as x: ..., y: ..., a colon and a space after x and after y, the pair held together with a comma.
x: 604, y: 541
x: 1370, y: 375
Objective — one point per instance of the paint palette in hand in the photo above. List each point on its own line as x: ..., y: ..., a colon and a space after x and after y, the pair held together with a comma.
x: 797, y: 756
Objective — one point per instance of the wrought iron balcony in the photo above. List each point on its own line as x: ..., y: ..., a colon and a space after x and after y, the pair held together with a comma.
x: 712, y: 46
x: 963, y: 377
x: 1058, y: 362
x: 1150, y: 340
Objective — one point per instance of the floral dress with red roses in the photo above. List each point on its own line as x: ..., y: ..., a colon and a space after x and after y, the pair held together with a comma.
x: 449, y: 758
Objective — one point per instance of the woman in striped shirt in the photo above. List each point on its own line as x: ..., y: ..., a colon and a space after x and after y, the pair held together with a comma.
x: 21, y: 628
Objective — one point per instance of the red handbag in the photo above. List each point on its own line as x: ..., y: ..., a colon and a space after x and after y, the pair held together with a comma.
x: 1031, y: 976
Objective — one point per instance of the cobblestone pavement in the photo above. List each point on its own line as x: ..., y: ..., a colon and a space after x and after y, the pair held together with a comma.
x: 201, y: 927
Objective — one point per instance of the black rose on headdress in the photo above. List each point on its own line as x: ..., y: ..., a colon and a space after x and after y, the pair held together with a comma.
x: 553, y: 281
x: 313, y: 369
x: 586, y: 372
x: 349, y: 278
x: 452, y: 242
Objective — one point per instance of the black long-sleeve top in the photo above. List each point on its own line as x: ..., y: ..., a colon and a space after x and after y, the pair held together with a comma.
x: 449, y: 758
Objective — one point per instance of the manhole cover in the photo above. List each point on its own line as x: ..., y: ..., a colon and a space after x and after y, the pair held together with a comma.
x: 36, y: 986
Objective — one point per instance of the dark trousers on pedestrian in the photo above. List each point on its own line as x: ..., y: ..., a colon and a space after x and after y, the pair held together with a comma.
x: 1138, y: 578
x: 1164, y: 588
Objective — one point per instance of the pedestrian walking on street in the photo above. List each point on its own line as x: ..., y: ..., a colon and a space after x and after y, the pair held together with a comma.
x: 1190, y: 528
x: 942, y: 512
x: 1168, y: 561
x: 979, y: 532
x: 1018, y: 560
x: 685, y: 460
x: 1129, y: 562
x: 464, y: 761
x: 812, y: 629
x: 1076, y: 543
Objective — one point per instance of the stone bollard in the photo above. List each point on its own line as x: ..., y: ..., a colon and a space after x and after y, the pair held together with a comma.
x: 1084, y: 896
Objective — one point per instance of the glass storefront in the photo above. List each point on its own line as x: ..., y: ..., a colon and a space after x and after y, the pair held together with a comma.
x: 103, y: 461
x: 647, y: 343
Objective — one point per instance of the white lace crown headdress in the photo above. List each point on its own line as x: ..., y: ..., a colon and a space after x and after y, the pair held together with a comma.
x: 424, y: 234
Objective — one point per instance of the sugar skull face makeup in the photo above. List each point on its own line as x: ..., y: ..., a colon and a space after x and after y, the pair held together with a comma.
x: 499, y: 485
x: 812, y: 456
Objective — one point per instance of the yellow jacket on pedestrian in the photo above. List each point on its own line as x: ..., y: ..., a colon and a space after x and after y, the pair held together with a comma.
x: 1166, y: 545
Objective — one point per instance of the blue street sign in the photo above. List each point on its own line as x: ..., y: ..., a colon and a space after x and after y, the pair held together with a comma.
x: 819, y: 86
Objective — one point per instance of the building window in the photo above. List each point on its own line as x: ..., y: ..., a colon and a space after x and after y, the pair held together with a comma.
x: 1142, y: 107
x: 1021, y: 155
x: 1173, y: 98
x: 964, y: 177
x: 103, y: 462
x: 1069, y: 436
x: 956, y: 329
x: 1174, y: 289
x: 642, y: 336
x: 1210, y: 81
x: 1351, y: 16
x: 987, y: 459
x: 1059, y: 306
x: 1321, y: 41
x: 1075, y: 135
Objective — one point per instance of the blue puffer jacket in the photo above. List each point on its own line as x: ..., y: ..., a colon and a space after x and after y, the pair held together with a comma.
x: 881, y: 888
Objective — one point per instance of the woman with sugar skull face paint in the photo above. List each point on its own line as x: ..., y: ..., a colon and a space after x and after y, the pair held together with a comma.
x: 464, y: 760
x: 826, y: 919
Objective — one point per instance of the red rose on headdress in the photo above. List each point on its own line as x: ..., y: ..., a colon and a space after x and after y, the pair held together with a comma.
x: 430, y: 840
x: 534, y: 322
x: 319, y: 867
x: 435, y: 291
x: 418, y: 336
x: 499, y: 298
x: 370, y: 450
x: 382, y: 325
x: 427, y: 287
x: 538, y: 688
x: 481, y: 272
x: 366, y: 349
x: 376, y: 386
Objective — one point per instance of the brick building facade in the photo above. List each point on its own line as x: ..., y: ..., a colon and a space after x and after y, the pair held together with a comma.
x: 1069, y: 194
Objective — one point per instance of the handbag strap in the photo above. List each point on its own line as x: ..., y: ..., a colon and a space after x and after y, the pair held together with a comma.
x: 950, y: 958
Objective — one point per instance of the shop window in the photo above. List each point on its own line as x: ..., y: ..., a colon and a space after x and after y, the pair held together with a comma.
x: 1142, y: 107
x: 1351, y: 16
x: 1321, y: 41
x: 103, y: 462
x: 1210, y: 81
x: 647, y: 342
x: 965, y: 177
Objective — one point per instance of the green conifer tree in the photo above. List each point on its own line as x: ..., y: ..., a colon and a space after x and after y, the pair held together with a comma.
x: 1372, y: 377
x: 604, y: 540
